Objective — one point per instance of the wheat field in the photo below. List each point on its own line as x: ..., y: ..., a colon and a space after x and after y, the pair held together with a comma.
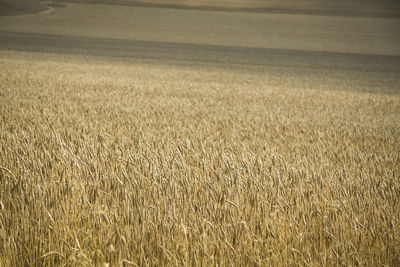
x: 111, y: 162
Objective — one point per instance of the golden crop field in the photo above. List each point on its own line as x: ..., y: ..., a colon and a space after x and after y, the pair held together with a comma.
x: 111, y: 162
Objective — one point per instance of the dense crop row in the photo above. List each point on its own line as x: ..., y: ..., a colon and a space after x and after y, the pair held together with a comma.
x: 152, y: 164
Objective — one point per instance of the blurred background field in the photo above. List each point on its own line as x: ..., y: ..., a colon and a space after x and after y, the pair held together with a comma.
x: 15, y: 7
x: 344, y: 7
